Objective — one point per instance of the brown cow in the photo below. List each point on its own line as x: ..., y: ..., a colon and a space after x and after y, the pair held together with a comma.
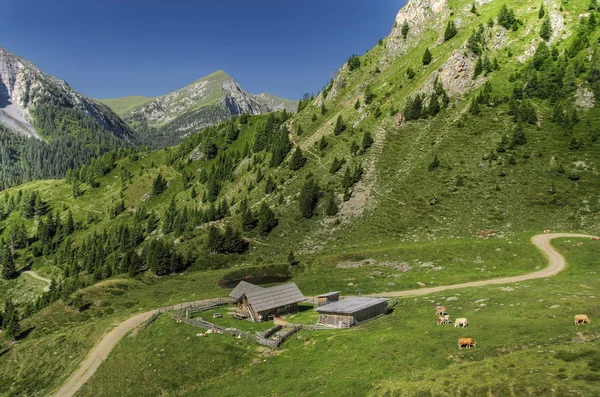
x: 595, y: 238
x: 443, y: 320
x: 582, y: 319
x: 440, y: 310
x: 466, y: 342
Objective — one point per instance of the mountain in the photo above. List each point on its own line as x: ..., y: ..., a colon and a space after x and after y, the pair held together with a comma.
x: 430, y: 160
x: 46, y: 127
x: 207, y: 101
x: 23, y: 87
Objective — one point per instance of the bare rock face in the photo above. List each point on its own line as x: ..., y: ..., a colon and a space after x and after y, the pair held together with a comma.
x: 584, y: 98
x: 23, y: 85
x: 420, y: 15
x: 456, y: 74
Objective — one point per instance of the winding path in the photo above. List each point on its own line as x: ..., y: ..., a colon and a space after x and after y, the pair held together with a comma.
x: 38, y: 277
x: 556, y: 263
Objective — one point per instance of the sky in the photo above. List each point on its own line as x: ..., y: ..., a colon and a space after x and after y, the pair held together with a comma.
x: 116, y: 48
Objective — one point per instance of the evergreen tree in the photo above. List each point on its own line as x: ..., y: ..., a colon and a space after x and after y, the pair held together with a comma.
x: 266, y: 220
x: 542, y: 11
x: 298, y: 160
x: 336, y: 165
x: 331, y: 208
x: 414, y: 108
x: 292, y: 259
x: 593, y: 5
x: 309, y: 198
x: 354, y: 62
x: 270, y: 187
x: 70, y: 225
x: 434, y: 105
x: 76, y: 189
x: 474, y: 109
x: 323, y: 108
x: 519, y: 138
x: 340, y: 126
x: 9, y: 269
x: 405, y: 29
x: 506, y: 18
x: 10, y: 321
x: 159, y: 185
x: 323, y: 143
x: 450, y: 31
x: 367, y: 140
x: 434, y: 164
x: 473, y: 9
x: 249, y: 221
x: 169, y: 217
x: 546, y: 31
x: 427, y: 57
x: 410, y: 73
x: 357, y: 104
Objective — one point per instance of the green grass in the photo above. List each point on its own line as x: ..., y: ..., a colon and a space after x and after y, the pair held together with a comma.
x: 124, y: 105
x: 523, y: 346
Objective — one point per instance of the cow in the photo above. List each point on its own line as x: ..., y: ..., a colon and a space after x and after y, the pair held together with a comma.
x: 440, y: 310
x: 582, y: 319
x: 466, y: 342
x: 443, y: 320
x: 595, y: 238
x: 461, y: 322
x: 546, y: 231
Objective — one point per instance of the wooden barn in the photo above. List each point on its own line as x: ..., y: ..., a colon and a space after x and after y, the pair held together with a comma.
x: 328, y: 298
x: 261, y: 304
x: 352, y: 311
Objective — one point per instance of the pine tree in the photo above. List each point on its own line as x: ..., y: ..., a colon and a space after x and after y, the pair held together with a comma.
x: 473, y: 9
x: 331, y: 208
x: 546, y: 31
x: 8, y: 262
x: 70, y: 225
x: 323, y: 108
x: 367, y: 140
x: 340, y: 126
x: 405, y: 29
x: 75, y: 189
x: 506, y: 18
x: 266, y: 220
x: 292, y: 259
x: 298, y: 160
x: 450, y: 31
x: 323, y: 143
x: 159, y: 185
x: 309, y: 198
x: 478, y: 68
x: 427, y: 57
x: 10, y: 322
x: 270, y: 187
x: 542, y: 11
x: 357, y: 104
x: 434, y: 164
x: 248, y: 220
x: 354, y: 148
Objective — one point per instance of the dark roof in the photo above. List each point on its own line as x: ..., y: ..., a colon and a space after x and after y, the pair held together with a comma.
x: 350, y: 305
x: 327, y: 295
x: 274, y: 297
x: 243, y: 288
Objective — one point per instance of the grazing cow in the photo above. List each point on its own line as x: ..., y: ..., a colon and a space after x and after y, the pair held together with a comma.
x: 595, y: 238
x: 582, y: 319
x: 466, y: 342
x: 443, y: 320
x: 440, y: 310
x: 461, y: 322
x: 546, y: 231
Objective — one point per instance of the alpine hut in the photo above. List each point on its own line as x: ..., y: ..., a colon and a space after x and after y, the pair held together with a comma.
x: 260, y: 303
x: 325, y: 299
x: 351, y: 311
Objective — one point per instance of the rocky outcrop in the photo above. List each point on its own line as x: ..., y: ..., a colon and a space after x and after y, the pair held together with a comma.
x: 420, y: 15
x: 456, y: 74
x: 584, y: 98
x: 23, y: 86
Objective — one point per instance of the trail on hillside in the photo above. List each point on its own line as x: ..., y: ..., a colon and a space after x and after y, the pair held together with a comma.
x: 38, y: 277
x: 556, y: 263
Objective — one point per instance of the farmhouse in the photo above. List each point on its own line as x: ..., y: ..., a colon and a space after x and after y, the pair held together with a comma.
x: 328, y: 298
x: 260, y: 303
x: 352, y: 311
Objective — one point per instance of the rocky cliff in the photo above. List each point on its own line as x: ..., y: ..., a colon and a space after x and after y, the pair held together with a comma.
x: 23, y: 86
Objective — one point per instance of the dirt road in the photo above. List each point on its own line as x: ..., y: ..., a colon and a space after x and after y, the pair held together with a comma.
x: 556, y: 263
x: 38, y: 277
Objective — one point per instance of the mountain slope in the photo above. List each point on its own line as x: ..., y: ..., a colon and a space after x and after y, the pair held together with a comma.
x: 207, y: 101
x: 23, y: 87
x: 123, y: 105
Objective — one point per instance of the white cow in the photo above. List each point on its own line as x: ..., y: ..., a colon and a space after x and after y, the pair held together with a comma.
x: 460, y: 322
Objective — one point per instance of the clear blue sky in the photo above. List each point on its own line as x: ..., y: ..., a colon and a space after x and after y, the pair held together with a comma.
x: 114, y: 48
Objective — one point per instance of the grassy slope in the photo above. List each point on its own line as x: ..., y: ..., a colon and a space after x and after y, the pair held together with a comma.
x: 124, y: 105
x: 406, y: 353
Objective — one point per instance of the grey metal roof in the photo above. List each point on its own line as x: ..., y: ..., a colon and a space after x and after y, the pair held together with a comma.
x: 274, y: 297
x: 243, y: 288
x: 350, y: 305
x: 327, y: 295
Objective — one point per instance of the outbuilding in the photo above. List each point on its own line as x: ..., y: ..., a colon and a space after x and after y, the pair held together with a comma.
x: 328, y: 298
x: 351, y: 311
